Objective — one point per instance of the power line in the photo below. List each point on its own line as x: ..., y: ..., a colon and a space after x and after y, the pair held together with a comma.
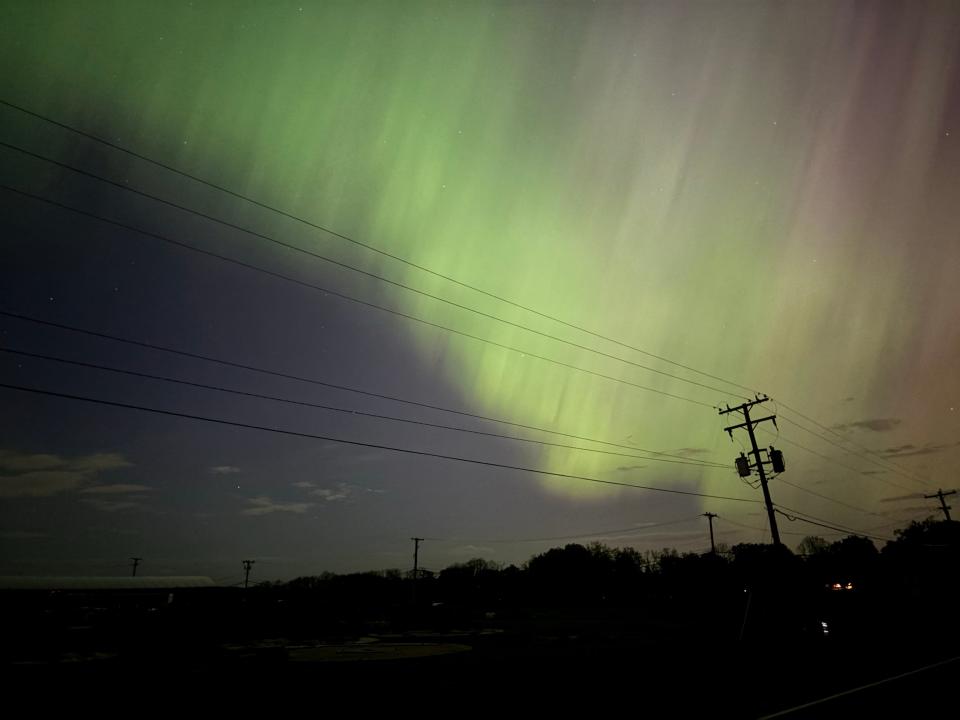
x: 852, y: 452
x: 834, y: 461
x: 329, y: 231
x: 366, y: 303
x: 377, y: 446
x: 764, y: 530
x: 314, y: 381
x: 626, y: 532
x: 831, y: 499
x: 684, y: 461
x: 835, y: 525
x: 346, y: 411
x: 846, y: 439
x: 346, y: 266
x: 359, y: 243
x: 747, y: 527
x: 794, y: 518
x: 796, y: 514
x: 915, y: 515
x: 793, y: 511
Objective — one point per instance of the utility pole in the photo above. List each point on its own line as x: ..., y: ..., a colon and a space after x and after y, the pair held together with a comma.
x: 710, y: 516
x: 247, y: 564
x: 135, y: 562
x: 943, y: 505
x: 416, y: 565
x: 775, y: 457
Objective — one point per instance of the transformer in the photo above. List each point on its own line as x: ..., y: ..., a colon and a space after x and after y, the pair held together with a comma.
x: 743, y: 465
x: 776, y: 459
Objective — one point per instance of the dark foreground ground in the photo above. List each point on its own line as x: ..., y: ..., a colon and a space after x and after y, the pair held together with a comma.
x: 606, y: 658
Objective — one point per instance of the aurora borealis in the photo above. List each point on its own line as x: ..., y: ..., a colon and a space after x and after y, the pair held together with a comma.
x: 764, y: 191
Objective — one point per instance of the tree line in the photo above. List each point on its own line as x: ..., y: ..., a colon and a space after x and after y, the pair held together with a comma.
x: 850, y: 579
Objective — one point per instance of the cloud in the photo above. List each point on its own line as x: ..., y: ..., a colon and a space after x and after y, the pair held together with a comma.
x: 116, y: 489
x: 898, y: 498
x: 111, y: 506
x: 872, y: 472
x: 874, y: 424
x: 16, y: 462
x: 11, y: 461
x: 910, y: 510
x: 909, y: 449
x: 473, y: 550
x: 341, y: 492
x: 43, y: 475
x: 688, y: 451
x: 98, y: 462
x: 263, y: 505
x: 42, y: 483
x: 224, y: 470
x: 628, y: 468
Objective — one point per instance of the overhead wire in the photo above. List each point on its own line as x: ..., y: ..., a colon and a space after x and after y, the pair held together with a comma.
x: 830, y: 499
x: 367, y: 246
x: 348, y: 411
x: 347, y: 266
x: 764, y: 530
x: 166, y: 166
x: 366, y: 303
x: 846, y: 439
x: 293, y: 247
x: 834, y: 461
x: 625, y: 532
x: 372, y: 248
x: 315, y: 381
x: 794, y: 518
x: 359, y: 443
x: 853, y: 452
x: 782, y: 509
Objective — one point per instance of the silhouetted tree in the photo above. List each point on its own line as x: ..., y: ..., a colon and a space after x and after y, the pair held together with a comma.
x: 812, y: 545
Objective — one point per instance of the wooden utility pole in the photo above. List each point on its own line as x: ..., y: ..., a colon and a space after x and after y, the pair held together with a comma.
x: 943, y: 505
x: 416, y: 565
x: 247, y: 564
x: 744, y: 466
x: 710, y: 516
x: 135, y: 562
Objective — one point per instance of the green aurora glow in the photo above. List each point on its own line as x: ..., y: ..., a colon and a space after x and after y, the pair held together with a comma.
x: 727, y: 184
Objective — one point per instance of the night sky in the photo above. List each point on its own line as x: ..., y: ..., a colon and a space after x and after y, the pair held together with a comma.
x: 731, y: 197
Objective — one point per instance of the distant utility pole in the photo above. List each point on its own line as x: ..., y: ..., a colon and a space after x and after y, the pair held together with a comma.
x: 247, y: 564
x: 136, y: 561
x: 775, y: 457
x: 416, y: 565
x: 710, y: 516
x: 943, y: 505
